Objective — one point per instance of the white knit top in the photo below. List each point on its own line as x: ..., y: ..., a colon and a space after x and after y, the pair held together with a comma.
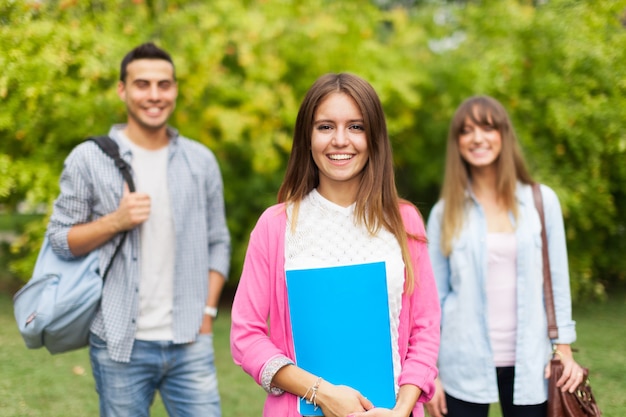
x: 326, y: 235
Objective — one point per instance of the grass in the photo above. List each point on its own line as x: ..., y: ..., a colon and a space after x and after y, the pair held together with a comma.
x: 601, y: 345
x: 37, y: 384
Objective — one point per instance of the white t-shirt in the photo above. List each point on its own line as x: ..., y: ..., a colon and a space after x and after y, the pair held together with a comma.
x: 157, y: 245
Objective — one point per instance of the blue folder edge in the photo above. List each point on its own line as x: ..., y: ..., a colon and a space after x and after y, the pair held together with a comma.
x: 340, y: 327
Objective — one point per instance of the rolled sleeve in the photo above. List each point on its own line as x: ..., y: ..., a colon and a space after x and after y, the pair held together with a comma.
x: 271, y: 368
x: 260, y: 289
x: 219, y: 236
x: 73, y: 205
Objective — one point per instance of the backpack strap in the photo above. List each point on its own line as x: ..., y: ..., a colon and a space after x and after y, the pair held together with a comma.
x: 109, y: 147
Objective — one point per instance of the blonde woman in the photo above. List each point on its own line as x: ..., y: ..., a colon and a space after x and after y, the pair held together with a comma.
x: 485, y: 247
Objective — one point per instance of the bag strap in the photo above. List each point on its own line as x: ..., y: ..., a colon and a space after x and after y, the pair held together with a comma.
x: 553, y: 330
x: 109, y: 147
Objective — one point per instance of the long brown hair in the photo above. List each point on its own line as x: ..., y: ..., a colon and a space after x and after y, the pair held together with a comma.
x: 377, y: 201
x: 510, y: 165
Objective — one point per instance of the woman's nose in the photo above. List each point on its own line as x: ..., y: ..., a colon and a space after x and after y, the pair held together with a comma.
x: 340, y: 137
x: 478, y: 135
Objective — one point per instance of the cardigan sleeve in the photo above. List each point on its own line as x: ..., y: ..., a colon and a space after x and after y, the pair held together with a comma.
x: 423, y: 315
x: 251, y: 346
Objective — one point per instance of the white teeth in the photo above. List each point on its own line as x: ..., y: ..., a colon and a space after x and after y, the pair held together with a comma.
x: 340, y: 157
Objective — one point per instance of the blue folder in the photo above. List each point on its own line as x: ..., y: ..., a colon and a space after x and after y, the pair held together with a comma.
x: 340, y: 326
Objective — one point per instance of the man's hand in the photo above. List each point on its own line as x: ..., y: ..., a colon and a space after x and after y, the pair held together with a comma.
x: 134, y: 209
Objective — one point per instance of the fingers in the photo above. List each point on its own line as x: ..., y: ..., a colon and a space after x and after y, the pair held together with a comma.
x: 573, y: 375
x: 572, y: 372
x: 342, y: 400
x: 365, y: 403
x: 572, y: 379
x: 134, y: 209
x: 430, y: 410
x: 437, y: 406
x: 140, y: 207
x: 443, y: 406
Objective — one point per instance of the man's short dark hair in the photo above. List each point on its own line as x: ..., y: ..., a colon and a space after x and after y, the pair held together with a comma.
x: 147, y: 50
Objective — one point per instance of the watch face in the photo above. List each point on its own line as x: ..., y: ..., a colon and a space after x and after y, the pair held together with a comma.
x: 210, y: 311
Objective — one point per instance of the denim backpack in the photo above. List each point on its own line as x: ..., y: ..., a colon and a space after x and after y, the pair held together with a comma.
x: 57, y: 305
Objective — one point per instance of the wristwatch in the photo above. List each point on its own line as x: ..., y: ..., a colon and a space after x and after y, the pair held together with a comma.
x: 210, y: 311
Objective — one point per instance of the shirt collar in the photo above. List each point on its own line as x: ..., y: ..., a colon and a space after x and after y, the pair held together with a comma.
x: 116, y: 131
x: 519, y: 193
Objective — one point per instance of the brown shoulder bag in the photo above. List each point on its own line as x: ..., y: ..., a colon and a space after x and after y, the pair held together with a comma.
x: 580, y: 403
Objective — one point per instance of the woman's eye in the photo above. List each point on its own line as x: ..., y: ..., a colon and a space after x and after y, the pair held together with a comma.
x: 357, y: 127
x: 323, y: 127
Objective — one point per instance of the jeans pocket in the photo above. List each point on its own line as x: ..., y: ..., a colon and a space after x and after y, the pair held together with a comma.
x: 96, y: 341
x: 205, y: 338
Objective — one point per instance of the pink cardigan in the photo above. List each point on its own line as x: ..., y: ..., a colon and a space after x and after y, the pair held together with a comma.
x: 262, y: 293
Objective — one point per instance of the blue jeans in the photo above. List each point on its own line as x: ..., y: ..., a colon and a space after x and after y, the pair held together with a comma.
x: 184, y: 375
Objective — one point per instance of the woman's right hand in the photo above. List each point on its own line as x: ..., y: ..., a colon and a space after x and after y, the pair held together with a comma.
x: 437, y: 407
x: 341, y: 400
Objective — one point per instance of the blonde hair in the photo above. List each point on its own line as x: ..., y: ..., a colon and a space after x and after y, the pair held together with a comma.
x: 510, y: 165
x: 377, y: 201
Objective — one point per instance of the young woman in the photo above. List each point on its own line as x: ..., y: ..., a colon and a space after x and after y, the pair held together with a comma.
x: 485, y: 247
x: 338, y: 205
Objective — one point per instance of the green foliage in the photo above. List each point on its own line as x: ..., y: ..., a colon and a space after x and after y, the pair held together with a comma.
x: 243, y: 67
x: 559, y: 69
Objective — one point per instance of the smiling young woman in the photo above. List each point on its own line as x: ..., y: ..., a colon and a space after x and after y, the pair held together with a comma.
x: 338, y: 206
x: 339, y: 147
x: 485, y: 248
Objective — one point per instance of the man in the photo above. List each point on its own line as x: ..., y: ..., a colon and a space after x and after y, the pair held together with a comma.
x: 154, y: 328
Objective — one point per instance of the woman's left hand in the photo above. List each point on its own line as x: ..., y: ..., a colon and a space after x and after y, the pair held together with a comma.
x: 572, y: 371
x: 407, y: 396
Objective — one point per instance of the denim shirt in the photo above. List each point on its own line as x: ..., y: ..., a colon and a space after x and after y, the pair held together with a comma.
x: 466, y: 366
x: 92, y: 186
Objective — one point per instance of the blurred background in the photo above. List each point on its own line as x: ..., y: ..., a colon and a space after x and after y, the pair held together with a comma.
x: 558, y: 66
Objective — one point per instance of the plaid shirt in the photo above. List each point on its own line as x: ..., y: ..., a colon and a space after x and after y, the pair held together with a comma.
x: 92, y: 186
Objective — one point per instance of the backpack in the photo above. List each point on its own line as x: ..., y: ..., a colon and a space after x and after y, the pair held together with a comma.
x: 57, y: 305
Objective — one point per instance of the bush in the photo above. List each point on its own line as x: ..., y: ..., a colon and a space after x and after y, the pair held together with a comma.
x: 244, y: 66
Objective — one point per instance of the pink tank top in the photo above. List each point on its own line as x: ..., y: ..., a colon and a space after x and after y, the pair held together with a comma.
x: 501, y: 289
